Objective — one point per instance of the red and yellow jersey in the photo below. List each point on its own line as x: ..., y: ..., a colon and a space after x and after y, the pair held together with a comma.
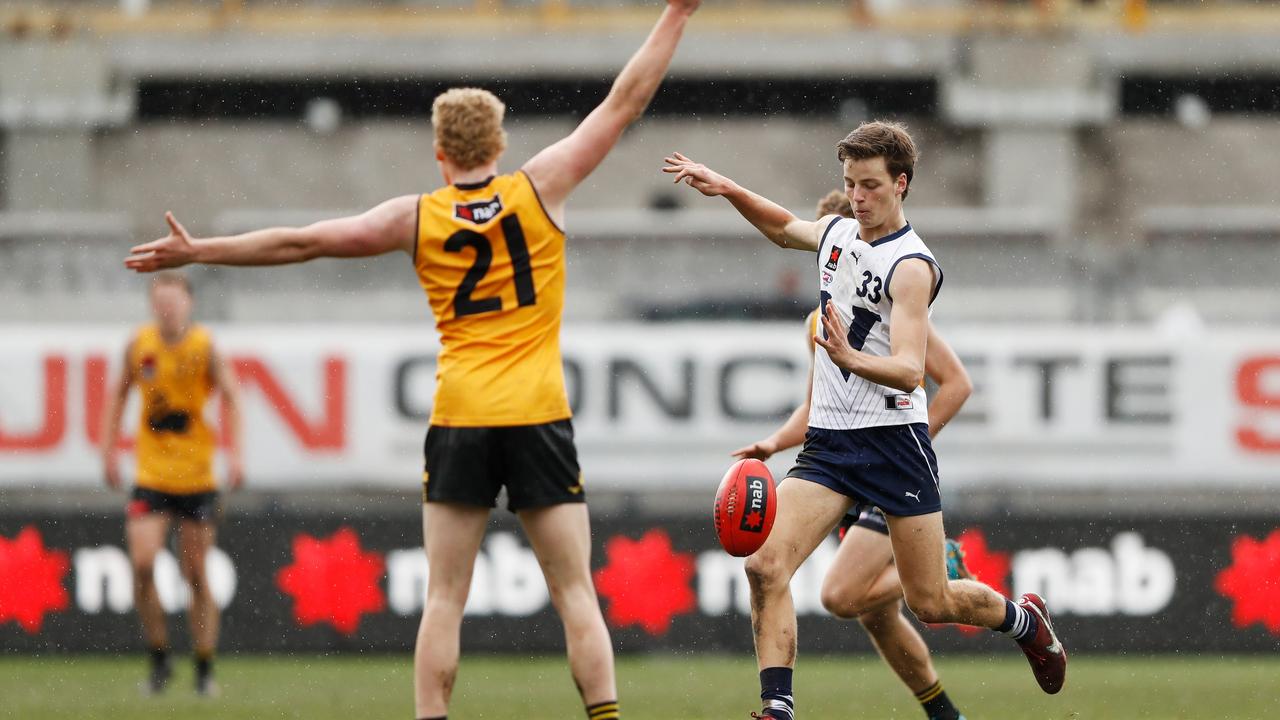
x: 175, y: 445
x: 492, y: 263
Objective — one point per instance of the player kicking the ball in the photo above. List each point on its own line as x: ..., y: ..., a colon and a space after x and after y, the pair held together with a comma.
x: 490, y: 254
x: 863, y: 580
x: 868, y: 438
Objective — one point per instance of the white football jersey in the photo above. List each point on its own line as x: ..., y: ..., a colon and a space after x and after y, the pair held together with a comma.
x: 855, y: 276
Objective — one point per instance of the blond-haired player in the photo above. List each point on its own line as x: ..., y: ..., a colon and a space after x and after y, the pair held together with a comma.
x: 489, y: 251
x: 868, y: 438
x: 175, y: 367
x: 862, y: 581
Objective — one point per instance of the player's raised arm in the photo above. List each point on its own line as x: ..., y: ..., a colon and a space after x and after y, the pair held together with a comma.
x: 558, y: 169
x: 911, y: 288
x: 387, y: 227
x: 954, y: 385
x: 773, y: 221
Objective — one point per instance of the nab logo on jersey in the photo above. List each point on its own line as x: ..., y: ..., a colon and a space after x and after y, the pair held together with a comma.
x: 835, y: 258
x: 479, y: 212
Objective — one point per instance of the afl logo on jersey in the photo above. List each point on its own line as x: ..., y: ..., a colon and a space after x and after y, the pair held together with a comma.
x: 479, y: 212
x: 835, y: 258
x: 147, y: 368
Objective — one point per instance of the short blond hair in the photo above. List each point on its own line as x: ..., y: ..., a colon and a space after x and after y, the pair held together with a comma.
x: 468, y: 126
x: 835, y: 203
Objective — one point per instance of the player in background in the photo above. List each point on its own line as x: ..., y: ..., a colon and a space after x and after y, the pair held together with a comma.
x: 862, y: 581
x: 175, y: 367
x: 489, y: 252
x: 868, y: 439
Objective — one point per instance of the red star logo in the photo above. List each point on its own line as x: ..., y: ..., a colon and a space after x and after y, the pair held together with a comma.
x: 30, y: 580
x: 646, y: 582
x: 987, y: 565
x: 332, y: 580
x: 1253, y: 582
x: 753, y: 520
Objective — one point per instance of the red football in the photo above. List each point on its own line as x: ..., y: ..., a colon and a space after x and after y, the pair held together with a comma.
x: 745, y: 505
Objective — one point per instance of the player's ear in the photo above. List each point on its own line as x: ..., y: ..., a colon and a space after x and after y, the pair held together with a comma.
x: 435, y: 146
x: 901, y: 184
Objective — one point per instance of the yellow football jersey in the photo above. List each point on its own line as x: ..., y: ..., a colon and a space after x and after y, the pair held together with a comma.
x: 175, y: 445
x: 492, y: 263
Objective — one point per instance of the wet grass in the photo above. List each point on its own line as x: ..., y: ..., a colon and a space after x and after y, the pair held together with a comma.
x: 502, y: 688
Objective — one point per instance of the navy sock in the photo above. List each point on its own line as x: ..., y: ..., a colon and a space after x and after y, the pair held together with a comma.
x: 775, y: 692
x: 1018, y: 624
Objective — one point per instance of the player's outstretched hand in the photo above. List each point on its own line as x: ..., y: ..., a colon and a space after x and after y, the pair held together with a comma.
x: 696, y: 175
x: 762, y: 450
x: 836, y: 343
x: 173, y: 251
x: 687, y: 6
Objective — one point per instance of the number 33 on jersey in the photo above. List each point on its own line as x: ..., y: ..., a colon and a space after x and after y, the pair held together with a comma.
x: 492, y: 263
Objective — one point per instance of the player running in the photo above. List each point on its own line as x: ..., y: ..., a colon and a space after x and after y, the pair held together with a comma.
x: 489, y: 252
x: 868, y: 439
x: 176, y: 369
x: 862, y: 581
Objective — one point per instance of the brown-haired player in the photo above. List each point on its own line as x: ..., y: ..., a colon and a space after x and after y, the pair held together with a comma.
x: 862, y: 581
x: 176, y: 369
x: 489, y: 251
x: 868, y: 439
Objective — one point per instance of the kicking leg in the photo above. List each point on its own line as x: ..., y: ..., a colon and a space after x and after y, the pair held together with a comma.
x: 807, y: 511
x: 452, y: 535
x: 561, y: 538
x: 918, y: 548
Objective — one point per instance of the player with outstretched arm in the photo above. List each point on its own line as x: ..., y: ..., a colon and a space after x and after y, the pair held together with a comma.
x: 868, y: 438
x: 489, y: 250
x: 862, y: 581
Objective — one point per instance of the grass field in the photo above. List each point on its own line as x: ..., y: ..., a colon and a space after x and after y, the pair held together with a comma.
x: 354, y: 688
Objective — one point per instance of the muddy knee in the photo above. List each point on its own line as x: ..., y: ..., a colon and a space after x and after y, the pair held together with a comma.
x: 766, y: 572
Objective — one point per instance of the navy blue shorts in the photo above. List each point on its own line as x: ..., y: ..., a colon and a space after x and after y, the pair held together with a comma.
x: 864, y: 516
x: 890, y: 467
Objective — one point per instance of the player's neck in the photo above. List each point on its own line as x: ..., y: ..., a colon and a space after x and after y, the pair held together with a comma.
x: 172, y: 336
x: 474, y: 175
x: 893, y: 224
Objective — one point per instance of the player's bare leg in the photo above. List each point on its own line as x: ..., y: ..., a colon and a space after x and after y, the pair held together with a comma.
x: 919, y: 550
x: 194, y: 541
x: 900, y: 644
x: 863, y: 583
x: 451, y: 534
x: 145, y: 535
x: 561, y: 538
x: 807, y: 512
x: 862, y: 574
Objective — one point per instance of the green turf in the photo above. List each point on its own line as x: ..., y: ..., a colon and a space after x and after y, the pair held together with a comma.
x: 690, y: 688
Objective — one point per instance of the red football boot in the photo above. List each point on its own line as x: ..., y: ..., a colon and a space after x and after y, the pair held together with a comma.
x: 1044, y: 652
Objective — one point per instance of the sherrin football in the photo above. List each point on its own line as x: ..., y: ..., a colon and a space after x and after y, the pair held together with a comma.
x: 745, y: 505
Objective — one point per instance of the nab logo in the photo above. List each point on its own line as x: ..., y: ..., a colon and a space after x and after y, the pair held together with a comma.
x: 479, y: 212
x: 835, y: 257
x: 757, y: 505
